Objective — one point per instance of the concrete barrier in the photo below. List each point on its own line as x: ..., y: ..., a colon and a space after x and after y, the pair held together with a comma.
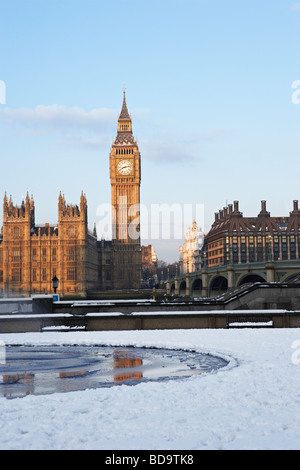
x: 154, y: 321
x: 266, y: 304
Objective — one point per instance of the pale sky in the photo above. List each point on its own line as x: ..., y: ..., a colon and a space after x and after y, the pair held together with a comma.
x: 208, y: 86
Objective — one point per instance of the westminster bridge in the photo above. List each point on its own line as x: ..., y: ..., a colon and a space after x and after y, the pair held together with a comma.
x: 210, y: 282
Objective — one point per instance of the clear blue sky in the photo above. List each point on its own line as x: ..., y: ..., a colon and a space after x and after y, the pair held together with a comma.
x: 208, y: 87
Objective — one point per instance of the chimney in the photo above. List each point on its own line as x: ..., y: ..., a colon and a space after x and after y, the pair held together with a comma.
x: 263, y: 210
x: 295, y: 206
x: 236, y: 206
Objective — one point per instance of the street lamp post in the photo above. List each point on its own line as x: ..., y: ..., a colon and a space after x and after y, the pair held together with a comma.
x: 55, y: 283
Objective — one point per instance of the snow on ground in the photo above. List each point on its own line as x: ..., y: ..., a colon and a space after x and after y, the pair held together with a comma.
x: 253, y: 403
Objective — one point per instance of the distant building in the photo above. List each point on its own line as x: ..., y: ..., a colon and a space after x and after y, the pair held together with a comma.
x: 149, y: 257
x: 234, y: 238
x: 149, y: 263
x: 190, y: 252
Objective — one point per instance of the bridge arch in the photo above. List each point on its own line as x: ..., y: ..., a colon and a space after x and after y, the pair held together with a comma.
x: 197, y: 287
x: 218, y: 285
x: 172, y: 289
x: 250, y: 278
x: 182, y: 288
x: 290, y: 277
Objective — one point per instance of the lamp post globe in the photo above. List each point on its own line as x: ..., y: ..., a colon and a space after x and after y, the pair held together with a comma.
x: 55, y: 283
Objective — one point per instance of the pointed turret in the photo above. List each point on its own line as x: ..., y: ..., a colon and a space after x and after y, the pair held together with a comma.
x: 83, y: 206
x: 124, y: 114
x: 124, y: 135
x: 27, y: 201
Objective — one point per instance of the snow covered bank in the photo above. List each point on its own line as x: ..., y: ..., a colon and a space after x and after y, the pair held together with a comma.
x: 254, y: 403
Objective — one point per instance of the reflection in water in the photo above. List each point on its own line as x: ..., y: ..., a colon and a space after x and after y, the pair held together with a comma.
x: 128, y: 376
x: 127, y: 360
x: 58, y: 369
x: 68, y: 374
x: 17, y: 377
x: 25, y: 381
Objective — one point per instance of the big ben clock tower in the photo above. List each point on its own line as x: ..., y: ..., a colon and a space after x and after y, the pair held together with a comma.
x: 125, y: 178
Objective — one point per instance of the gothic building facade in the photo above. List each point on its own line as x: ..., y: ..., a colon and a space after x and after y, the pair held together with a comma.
x: 125, y: 178
x: 31, y: 255
x: 190, y: 254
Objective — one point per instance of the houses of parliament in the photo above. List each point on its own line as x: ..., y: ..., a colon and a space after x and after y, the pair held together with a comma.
x: 31, y: 256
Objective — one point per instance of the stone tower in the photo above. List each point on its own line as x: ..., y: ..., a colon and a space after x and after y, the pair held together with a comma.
x: 72, y: 245
x: 125, y: 178
x: 18, y: 222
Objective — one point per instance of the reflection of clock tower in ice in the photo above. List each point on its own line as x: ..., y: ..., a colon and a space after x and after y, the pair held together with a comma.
x: 125, y: 178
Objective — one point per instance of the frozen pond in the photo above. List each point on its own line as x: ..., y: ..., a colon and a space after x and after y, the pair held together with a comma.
x: 42, y: 370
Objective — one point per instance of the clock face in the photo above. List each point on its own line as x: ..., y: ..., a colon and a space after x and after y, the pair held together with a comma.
x: 124, y: 167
